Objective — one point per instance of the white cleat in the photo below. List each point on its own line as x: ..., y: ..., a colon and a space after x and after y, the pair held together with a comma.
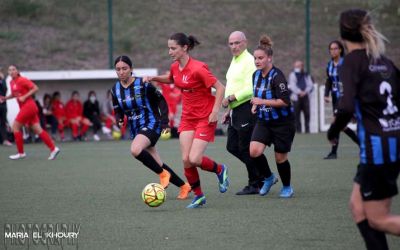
x: 106, y: 130
x: 54, y: 153
x: 17, y: 156
x: 96, y: 137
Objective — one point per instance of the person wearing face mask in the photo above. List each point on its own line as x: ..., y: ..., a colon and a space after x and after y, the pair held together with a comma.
x: 301, y: 85
x: 91, y: 110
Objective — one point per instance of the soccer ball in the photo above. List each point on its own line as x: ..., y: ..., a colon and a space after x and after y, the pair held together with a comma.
x: 154, y: 195
x: 165, y: 135
x: 116, y: 135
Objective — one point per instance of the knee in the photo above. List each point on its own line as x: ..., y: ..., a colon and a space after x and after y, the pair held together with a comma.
x: 255, y: 152
x: 195, y: 160
x: 135, y: 151
x: 376, y: 223
x: 186, y: 162
x: 357, y: 210
x: 280, y: 158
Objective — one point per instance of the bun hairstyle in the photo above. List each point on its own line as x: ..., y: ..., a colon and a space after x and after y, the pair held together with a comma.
x: 356, y: 26
x: 182, y: 40
x: 339, y: 44
x: 124, y: 59
x: 265, y: 43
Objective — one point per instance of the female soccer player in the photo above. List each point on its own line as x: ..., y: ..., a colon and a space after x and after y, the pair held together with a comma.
x: 275, y: 124
x: 336, y: 51
x: 199, y: 112
x: 74, y: 113
x: 371, y: 90
x: 147, y: 114
x: 23, y: 89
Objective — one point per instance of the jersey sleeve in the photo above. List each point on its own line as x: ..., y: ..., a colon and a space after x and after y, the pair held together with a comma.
x: 157, y: 99
x: 28, y: 84
x: 247, y: 90
x: 280, y: 88
x: 118, y: 112
x: 206, y: 76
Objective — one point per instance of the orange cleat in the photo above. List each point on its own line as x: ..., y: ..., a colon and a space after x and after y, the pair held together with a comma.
x: 184, y: 192
x: 164, y: 178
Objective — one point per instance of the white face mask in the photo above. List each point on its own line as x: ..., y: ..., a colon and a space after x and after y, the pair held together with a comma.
x: 92, y: 99
x: 297, y: 70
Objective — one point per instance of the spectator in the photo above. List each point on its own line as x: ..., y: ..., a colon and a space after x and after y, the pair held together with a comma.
x: 107, y: 114
x: 301, y: 85
x: 3, y: 113
x: 48, y: 116
x: 58, y: 111
x: 91, y: 110
x: 74, y: 113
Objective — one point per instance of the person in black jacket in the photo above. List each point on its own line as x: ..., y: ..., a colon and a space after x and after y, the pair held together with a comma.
x: 3, y: 113
x: 91, y: 110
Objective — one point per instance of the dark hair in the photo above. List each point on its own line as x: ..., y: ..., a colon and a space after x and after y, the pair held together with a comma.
x: 265, y: 44
x: 356, y: 26
x: 339, y: 44
x: 91, y: 92
x: 75, y: 92
x: 124, y: 59
x: 182, y: 40
x: 46, y: 96
x: 56, y: 93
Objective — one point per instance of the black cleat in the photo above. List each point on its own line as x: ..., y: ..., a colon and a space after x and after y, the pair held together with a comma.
x: 330, y: 156
x: 247, y: 190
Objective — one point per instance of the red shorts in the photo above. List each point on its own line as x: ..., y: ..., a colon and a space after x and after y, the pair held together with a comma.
x: 28, y: 114
x: 203, y: 130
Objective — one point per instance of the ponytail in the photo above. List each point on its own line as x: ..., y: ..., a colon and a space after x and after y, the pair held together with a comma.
x: 182, y: 40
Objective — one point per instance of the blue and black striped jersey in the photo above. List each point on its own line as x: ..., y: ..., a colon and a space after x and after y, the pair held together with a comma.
x: 371, y: 90
x: 332, y: 83
x: 143, y: 105
x: 272, y: 86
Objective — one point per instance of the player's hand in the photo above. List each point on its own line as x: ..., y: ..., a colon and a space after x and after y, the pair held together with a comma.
x: 225, y: 102
x: 147, y: 79
x: 166, y: 130
x: 213, y: 117
x: 2, y: 99
x: 120, y: 123
x: 254, y: 109
x: 226, y: 117
x: 257, y: 101
x: 327, y: 100
x: 22, y: 98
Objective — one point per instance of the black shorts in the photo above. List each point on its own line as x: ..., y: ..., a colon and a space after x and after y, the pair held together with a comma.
x: 281, y: 135
x: 377, y: 182
x: 151, y: 134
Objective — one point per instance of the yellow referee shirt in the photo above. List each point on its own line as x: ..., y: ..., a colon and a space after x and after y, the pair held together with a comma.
x: 239, y: 78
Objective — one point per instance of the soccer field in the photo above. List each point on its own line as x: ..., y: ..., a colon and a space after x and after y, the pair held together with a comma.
x: 98, y: 186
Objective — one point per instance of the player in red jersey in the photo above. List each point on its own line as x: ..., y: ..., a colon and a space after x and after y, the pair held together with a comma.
x: 23, y: 89
x: 58, y: 110
x: 74, y: 112
x: 199, y: 112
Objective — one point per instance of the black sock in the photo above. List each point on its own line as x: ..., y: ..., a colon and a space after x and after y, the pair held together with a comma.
x: 262, y: 164
x: 374, y: 239
x: 148, y: 160
x: 174, y: 177
x: 284, y: 172
x: 350, y: 133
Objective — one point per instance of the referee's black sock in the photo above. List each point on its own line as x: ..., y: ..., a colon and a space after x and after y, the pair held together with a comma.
x: 174, y: 177
x: 262, y: 164
x: 148, y: 160
x: 374, y: 239
x: 350, y: 133
x: 284, y: 172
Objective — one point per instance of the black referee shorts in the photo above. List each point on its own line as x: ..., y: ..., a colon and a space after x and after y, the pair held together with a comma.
x: 377, y: 182
x: 279, y: 134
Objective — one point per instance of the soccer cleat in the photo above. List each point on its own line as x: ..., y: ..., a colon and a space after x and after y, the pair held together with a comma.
x: 198, y: 201
x: 223, y: 180
x: 96, y: 137
x: 247, y: 190
x: 268, y: 182
x: 17, y: 156
x: 164, y: 178
x: 184, y: 192
x: 286, y: 192
x: 331, y: 156
x: 54, y: 153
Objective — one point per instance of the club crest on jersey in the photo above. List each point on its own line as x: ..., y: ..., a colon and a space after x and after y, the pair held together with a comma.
x: 282, y: 86
x: 185, y: 79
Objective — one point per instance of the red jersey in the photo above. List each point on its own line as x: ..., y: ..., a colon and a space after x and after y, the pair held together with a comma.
x: 19, y: 87
x: 73, y: 109
x: 57, y: 107
x: 195, y: 81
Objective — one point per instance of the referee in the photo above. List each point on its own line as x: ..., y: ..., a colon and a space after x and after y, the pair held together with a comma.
x: 238, y: 93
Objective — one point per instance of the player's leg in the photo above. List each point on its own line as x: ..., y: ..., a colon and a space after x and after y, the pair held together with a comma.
x: 258, y: 158
x: 283, y: 166
x: 380, y: 218
x: 44, y: 136
x: 350, y: 133
x: 74, y: 124
x: 85, y: 124
x: 19, y: 140
x: 373, y: 238
x: 138, y: 149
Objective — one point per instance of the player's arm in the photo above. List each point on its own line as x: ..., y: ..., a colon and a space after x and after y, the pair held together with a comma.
x: 281, y: 90
x: 349, y: 77
x: 219, y: 95
x: 161, y: 78
x: 328, y: 86
x: 119, y: 113
x: 246, y: 90
x: 159, y: 101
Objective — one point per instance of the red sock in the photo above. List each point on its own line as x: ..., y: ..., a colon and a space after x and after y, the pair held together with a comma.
x: 84, y: 129
x: 19, y: 141
x: 211, y: 166
x: 192, y: 175
x: 108, y: 123
x: 47, y: 140
x: 74, y: 128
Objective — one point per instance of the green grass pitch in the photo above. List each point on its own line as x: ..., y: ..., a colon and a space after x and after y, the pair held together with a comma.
x: 98, y: 185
